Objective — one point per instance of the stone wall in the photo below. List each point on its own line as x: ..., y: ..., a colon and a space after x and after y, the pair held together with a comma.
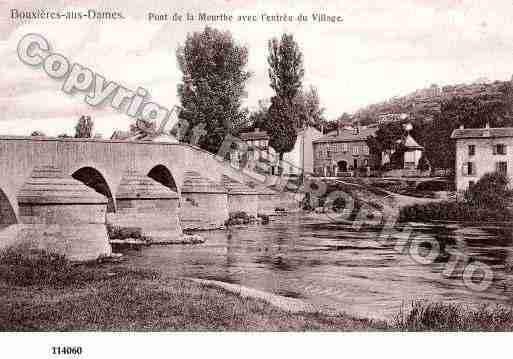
x: 76, y: 231
x: 203, y: 210
x: 243, y: 202
x: 157, y: 218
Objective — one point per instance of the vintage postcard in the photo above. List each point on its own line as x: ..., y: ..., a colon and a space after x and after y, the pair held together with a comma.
x: 255, y: 166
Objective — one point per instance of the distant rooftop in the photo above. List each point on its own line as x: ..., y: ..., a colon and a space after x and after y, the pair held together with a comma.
x: 347, y: 135
x: 254, y: 135
x: 410, y: 143
x: 494, y: 132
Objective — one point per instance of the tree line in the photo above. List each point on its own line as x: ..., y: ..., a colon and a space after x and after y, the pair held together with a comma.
x: 435, y: 134
x: 212, y: 90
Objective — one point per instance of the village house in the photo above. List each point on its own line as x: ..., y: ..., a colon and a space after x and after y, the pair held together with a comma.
x: 482, y: 150
x: 342, y: 153
x: 412, y: 152
x: 262, y: 158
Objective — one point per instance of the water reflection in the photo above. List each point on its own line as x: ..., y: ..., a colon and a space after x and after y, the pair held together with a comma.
x: 338, y: 267
x: 335, y: 266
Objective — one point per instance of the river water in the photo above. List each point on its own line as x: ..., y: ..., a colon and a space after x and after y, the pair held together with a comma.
x: 341, y: 268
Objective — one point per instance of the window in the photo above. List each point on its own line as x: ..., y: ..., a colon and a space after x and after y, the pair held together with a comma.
x: 499, y: 149
x: 355, y: 150
x: 365, y: 150
x: 469, y: 169
x: 471, y: 150
x: 345, y: 147
x: 501, y: 167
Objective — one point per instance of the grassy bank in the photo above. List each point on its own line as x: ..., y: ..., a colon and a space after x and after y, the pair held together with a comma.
x: 426, y: 316
x: 44, y: 292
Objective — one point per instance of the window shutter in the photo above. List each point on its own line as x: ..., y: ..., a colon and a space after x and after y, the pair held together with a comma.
x: 505, y: 149
x: 494, y: 149
x: 464, y: 169
x: 474, y: 168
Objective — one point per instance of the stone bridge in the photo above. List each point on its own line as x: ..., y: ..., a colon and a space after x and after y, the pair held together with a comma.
x: 62, y: 192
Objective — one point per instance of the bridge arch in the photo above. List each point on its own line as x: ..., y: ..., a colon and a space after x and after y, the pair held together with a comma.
x: 93, y: 178
x: 163, y: 175
x: 7, y: 213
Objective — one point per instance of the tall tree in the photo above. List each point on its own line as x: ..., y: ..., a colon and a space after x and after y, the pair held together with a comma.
x: 143, y: 129
x: 84, y: 127
x: 258, y: 118
x: 286, y: 74
x: 213, y: 85
x: 308, y: 107
x: 285, y: 67
x: 280, y: 127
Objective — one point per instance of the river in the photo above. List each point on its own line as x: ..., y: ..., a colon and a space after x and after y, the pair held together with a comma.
x: 340, y: 268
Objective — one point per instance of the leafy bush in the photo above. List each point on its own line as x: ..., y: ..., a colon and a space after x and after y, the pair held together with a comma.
x: 239, y: 217
x: 264, y: 217
x: 491, y: 191
x: 457, y: 211
x: 486, y: 200
x: 117, y: 232
x: 424, y: 164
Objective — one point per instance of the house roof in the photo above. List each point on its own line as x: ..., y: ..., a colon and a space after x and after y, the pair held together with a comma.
x: 348, y: 136
x: 410, y: 143
x: 255, y: 135
x: 482, y: 132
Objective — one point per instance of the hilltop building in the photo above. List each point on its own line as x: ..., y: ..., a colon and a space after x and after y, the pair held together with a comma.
x: 482, y: 150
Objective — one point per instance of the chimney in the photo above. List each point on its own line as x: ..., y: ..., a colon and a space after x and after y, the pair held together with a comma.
x: 257, y: 129
x: 487, y: 125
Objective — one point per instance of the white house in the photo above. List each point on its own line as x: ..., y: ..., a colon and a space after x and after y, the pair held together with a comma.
x: 295, y: 163
x: 482, y: 150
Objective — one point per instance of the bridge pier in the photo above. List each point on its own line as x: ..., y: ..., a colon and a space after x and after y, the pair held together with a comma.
x: 61, y: 215
x: 204, y: 203
x: 144, y: 203
x: 240, y: 197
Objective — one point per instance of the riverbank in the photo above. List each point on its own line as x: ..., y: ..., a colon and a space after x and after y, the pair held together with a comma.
x: 44, y: 292
x: 108, y: 297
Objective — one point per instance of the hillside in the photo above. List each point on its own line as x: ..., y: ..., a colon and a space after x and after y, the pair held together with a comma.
x: 425, y: 103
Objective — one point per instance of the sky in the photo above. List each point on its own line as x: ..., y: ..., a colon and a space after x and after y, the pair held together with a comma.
x: 381, y: 49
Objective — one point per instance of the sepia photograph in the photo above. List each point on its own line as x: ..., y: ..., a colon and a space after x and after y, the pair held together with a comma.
x: 256, y: 166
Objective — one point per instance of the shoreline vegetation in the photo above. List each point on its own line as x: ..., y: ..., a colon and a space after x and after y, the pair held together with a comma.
x: 42, y: 292
x: 487, y: 200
